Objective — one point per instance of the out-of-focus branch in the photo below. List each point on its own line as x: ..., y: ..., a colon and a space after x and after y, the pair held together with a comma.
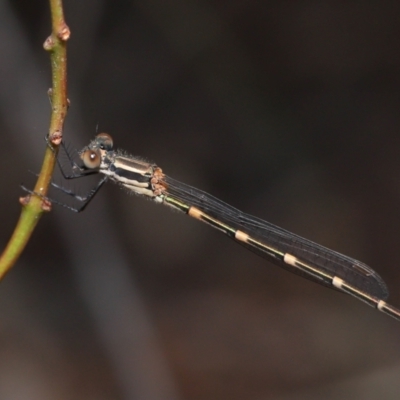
x: 33, y: 206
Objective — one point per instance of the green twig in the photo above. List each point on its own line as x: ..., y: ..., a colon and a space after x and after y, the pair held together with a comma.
x: 34, y: 206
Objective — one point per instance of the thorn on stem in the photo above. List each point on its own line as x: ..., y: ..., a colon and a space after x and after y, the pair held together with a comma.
x: 46, y: 205
x: 50, y: 95
x: 64, y: 32
x: 24, y: 201
x: 49, y: 43
x: 55, y: 138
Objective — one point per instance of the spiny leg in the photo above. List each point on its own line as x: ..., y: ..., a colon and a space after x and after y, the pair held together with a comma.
x: 77, y: 171
x: 85, y: 200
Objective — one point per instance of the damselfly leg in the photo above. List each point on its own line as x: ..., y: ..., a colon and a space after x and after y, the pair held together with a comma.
x: 78, y: 171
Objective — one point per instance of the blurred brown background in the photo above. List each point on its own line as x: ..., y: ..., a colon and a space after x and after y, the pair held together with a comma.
x: 286, y: 110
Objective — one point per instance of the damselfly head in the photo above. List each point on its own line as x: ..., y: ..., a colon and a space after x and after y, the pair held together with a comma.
x: 91, y: 158
x: 104, y: 141
x: 92, y: 154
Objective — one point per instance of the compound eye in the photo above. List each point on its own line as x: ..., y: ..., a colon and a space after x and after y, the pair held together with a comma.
x: 91, y: 159
x: 104, y: 141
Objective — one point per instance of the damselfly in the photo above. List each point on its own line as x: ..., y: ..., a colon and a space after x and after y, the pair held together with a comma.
x: 290, y: 251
